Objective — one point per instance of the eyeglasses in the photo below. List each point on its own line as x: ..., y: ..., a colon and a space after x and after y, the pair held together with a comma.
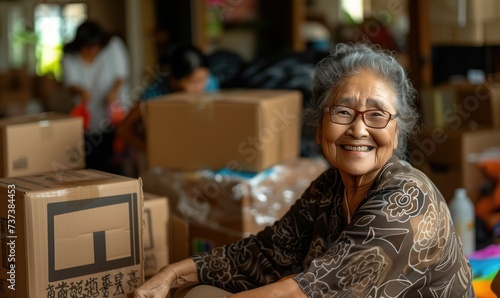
x: 372, y: 118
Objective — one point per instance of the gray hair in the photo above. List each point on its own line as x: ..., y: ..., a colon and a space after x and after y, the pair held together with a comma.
x: 346, y: 60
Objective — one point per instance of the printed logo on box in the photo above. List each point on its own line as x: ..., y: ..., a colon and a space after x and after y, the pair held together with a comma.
x: 92, y: 235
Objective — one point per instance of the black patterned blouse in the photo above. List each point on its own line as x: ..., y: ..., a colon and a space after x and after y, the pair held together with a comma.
x: 399, y: 243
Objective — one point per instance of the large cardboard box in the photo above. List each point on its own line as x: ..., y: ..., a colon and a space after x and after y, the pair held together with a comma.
x: 445, y: 156
x: 156, y: 233
x: 239, y: 129
x: 461, y: 106
x: 71, y: 232
x: 39, y: 143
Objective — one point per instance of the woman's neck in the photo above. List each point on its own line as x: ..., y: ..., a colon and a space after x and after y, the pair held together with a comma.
x: 357, y: 187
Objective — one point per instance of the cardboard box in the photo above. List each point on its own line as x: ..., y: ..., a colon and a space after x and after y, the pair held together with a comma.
x: 239, y: 129
x: 472, y: 11
x: 71, y: 232
x: 443, y: 154
x: 39, y: 143
x: 460, y: 106
x: 156, y: 233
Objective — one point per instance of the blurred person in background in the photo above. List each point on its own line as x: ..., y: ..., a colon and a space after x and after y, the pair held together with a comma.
x: 95, y: 71
x: 370, y: 226
x: 184, y: 69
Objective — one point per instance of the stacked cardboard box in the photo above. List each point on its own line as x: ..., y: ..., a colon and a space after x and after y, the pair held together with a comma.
x: 444, y: 155
x: 464, y: 22
x: 71, y: 232
x: 156, y: 233
x: 461, y: 106
x: 190, y: 138
x: 458, y: 120
x: 39, y: 143
x: 239, y: 129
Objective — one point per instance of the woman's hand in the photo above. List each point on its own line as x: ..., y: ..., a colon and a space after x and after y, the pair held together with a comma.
x: 157, y: 287
x: 169, y: 277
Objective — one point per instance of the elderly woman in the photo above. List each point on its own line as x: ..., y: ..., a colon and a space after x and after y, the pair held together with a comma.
x: 370, y: 226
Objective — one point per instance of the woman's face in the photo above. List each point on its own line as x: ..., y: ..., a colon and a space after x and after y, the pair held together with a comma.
x: 194, y: 83
x: 355, y: 148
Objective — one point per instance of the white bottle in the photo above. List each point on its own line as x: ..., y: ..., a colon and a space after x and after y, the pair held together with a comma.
x: 463, y: 215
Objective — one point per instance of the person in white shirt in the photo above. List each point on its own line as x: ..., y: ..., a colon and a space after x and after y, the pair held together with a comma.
x: 95, y: 71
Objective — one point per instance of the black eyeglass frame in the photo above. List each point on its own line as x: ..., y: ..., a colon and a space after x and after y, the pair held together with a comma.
x: 362, y: 113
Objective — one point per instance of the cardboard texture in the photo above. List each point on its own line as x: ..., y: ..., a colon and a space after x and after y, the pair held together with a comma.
x: 240, y: 129
x: 443, y: 154
x: 156, y: 233
x: 40, y: 143
x: 461, y: 106
x: 71, y: 232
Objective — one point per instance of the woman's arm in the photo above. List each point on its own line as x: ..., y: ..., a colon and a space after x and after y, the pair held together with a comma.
x: 287, y: 288
x: 170, y: 277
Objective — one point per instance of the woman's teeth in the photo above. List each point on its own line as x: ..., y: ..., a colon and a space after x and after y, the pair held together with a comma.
x: 357, y: 148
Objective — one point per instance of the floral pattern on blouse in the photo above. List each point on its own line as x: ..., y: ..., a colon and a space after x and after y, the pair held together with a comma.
x: 399, y: 243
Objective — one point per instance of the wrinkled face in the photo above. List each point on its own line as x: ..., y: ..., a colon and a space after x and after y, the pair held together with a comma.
x: 194, y: 83
x: 355, y: 148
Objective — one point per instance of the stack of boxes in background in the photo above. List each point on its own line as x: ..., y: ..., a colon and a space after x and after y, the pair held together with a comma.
x: 464, y: 22
x: 64, y: 229
x: 228, y: 162
x: 460, y: 121
x: 221, y: 166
